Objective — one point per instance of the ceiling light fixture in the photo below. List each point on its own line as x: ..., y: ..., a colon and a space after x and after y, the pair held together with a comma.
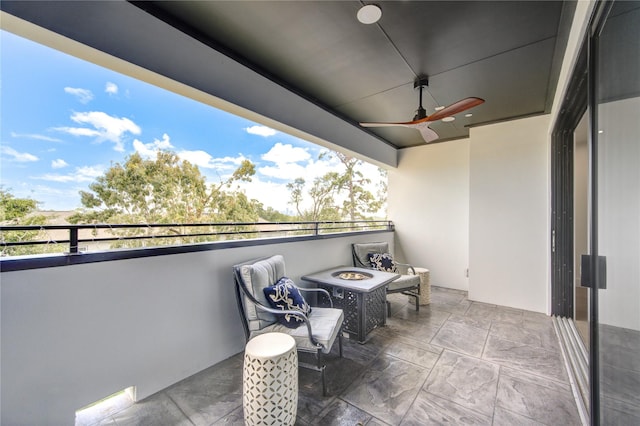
x: 448, y: 119
x: 439, y: 108
x: 468, y: 115
x: 369, y: 14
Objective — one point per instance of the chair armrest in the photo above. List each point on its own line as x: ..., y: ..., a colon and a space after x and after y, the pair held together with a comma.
x: 294, y: 313
x: 318, y: 290
x: 407, y: 267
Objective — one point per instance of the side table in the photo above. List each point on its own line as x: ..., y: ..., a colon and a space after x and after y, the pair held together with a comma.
x: 270, y: 380
x: 425, y: 286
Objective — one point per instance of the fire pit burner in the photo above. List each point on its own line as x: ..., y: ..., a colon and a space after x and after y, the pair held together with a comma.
x: 352, y: 275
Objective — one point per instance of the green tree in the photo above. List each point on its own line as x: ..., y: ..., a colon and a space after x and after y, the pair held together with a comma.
x: 22, y: 211
x: 350, y: 185
x: 164, y: 190
x: 13, y: 210
x: 270, y: 214
x: 359, y: 200
x: 322, y: 194
x: 296, y: 187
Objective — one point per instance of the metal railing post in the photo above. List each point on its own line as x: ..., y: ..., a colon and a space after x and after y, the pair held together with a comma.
x: 73, y: 240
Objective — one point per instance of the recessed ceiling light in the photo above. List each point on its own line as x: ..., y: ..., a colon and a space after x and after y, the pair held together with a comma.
x: 369, y: 14
x: 447, y: 119
x: 468, y: 115
x: 439, y: 108
x: 600, y: 131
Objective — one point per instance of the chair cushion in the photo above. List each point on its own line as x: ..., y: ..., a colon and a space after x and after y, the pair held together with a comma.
x: 405, y: 282
x: 325, y: 323
x: 361, y: 252
x: 284, y: 295
x: 382, y: 262
x: 257, y: 276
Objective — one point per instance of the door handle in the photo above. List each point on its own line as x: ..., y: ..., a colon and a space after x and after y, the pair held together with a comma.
x: 586, y: 279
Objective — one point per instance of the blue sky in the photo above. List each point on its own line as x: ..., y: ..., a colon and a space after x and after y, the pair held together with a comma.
x: 64, y: 121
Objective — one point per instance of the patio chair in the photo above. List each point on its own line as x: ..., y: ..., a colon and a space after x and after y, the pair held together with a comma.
x: 318, y: 329
x: 364, y: 256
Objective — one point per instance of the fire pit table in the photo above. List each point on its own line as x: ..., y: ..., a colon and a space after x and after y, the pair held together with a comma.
x: 360, y: 293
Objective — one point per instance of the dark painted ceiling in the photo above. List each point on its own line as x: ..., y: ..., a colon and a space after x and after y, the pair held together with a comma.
x: 506, y: 52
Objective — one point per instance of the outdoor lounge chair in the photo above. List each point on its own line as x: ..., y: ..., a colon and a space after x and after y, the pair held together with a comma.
x: 318, y: 329
x: 408, y: 283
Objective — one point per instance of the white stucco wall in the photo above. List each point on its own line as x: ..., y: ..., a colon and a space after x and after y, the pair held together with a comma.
x: 480, y: 203
x: 509, y: 214
x: 429, y: 205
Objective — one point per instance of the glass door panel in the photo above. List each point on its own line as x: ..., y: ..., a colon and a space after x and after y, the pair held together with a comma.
x: 618, y: 213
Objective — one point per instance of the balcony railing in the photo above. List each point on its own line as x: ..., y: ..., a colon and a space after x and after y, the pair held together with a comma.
x: 72, y: 239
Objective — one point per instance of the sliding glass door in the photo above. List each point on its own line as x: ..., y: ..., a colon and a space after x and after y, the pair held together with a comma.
x: 615, y: 135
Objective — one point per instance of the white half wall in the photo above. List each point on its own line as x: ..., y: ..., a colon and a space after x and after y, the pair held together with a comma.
x: 429, y: 205
x: 72, y: 335
x: 509, y: 214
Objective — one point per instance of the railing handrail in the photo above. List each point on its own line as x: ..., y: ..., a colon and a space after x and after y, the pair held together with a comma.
x: 73, y: 241
x: 168, y: 225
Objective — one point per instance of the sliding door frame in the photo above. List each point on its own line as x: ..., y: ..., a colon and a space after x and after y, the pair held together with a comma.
x: 582, y: 96
x: 562, y: 184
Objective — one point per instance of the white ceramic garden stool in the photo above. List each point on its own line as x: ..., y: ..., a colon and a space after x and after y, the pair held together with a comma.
x: 425, y: 286
x: 270, y: 380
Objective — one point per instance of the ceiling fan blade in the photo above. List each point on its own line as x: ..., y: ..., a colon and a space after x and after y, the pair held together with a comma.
x: 455, y: 108
x: 461, y: 105
x: 401, y: 124
x: 428, y: 134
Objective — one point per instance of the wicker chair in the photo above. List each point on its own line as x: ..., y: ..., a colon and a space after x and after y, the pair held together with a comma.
x: 408, y: 283
x: 320, y: 327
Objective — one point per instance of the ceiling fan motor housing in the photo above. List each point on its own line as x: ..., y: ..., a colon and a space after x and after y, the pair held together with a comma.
x: 420, y: 113
x: 420, y: 82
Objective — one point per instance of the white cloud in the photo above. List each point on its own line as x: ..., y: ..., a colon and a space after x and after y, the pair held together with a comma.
x: 261, y: 131
x: 90, y: 171
x: 111, y: 88
x: 50, y: 198
x: 59, y: 164
x: 79, y: 131
x: 308, y: 171
x: 34, y: 136
x: 293, y: 162
x: 150, y: 150
x: 286, y: 154
x: 21, y: 157
x: 270, y: 194
x: 52, y: 177
x: 203, y: 159
x: 197, y: 157
x: 289, y: 163
x: 84, y: 96
x: 80, y: 174
x: 286, y: 172
x: 106, y: 127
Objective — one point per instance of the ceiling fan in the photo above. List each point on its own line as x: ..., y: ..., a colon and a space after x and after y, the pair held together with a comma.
x: 421, y: 120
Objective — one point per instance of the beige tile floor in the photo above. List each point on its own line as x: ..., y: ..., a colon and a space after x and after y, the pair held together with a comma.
x: 453, y: 362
